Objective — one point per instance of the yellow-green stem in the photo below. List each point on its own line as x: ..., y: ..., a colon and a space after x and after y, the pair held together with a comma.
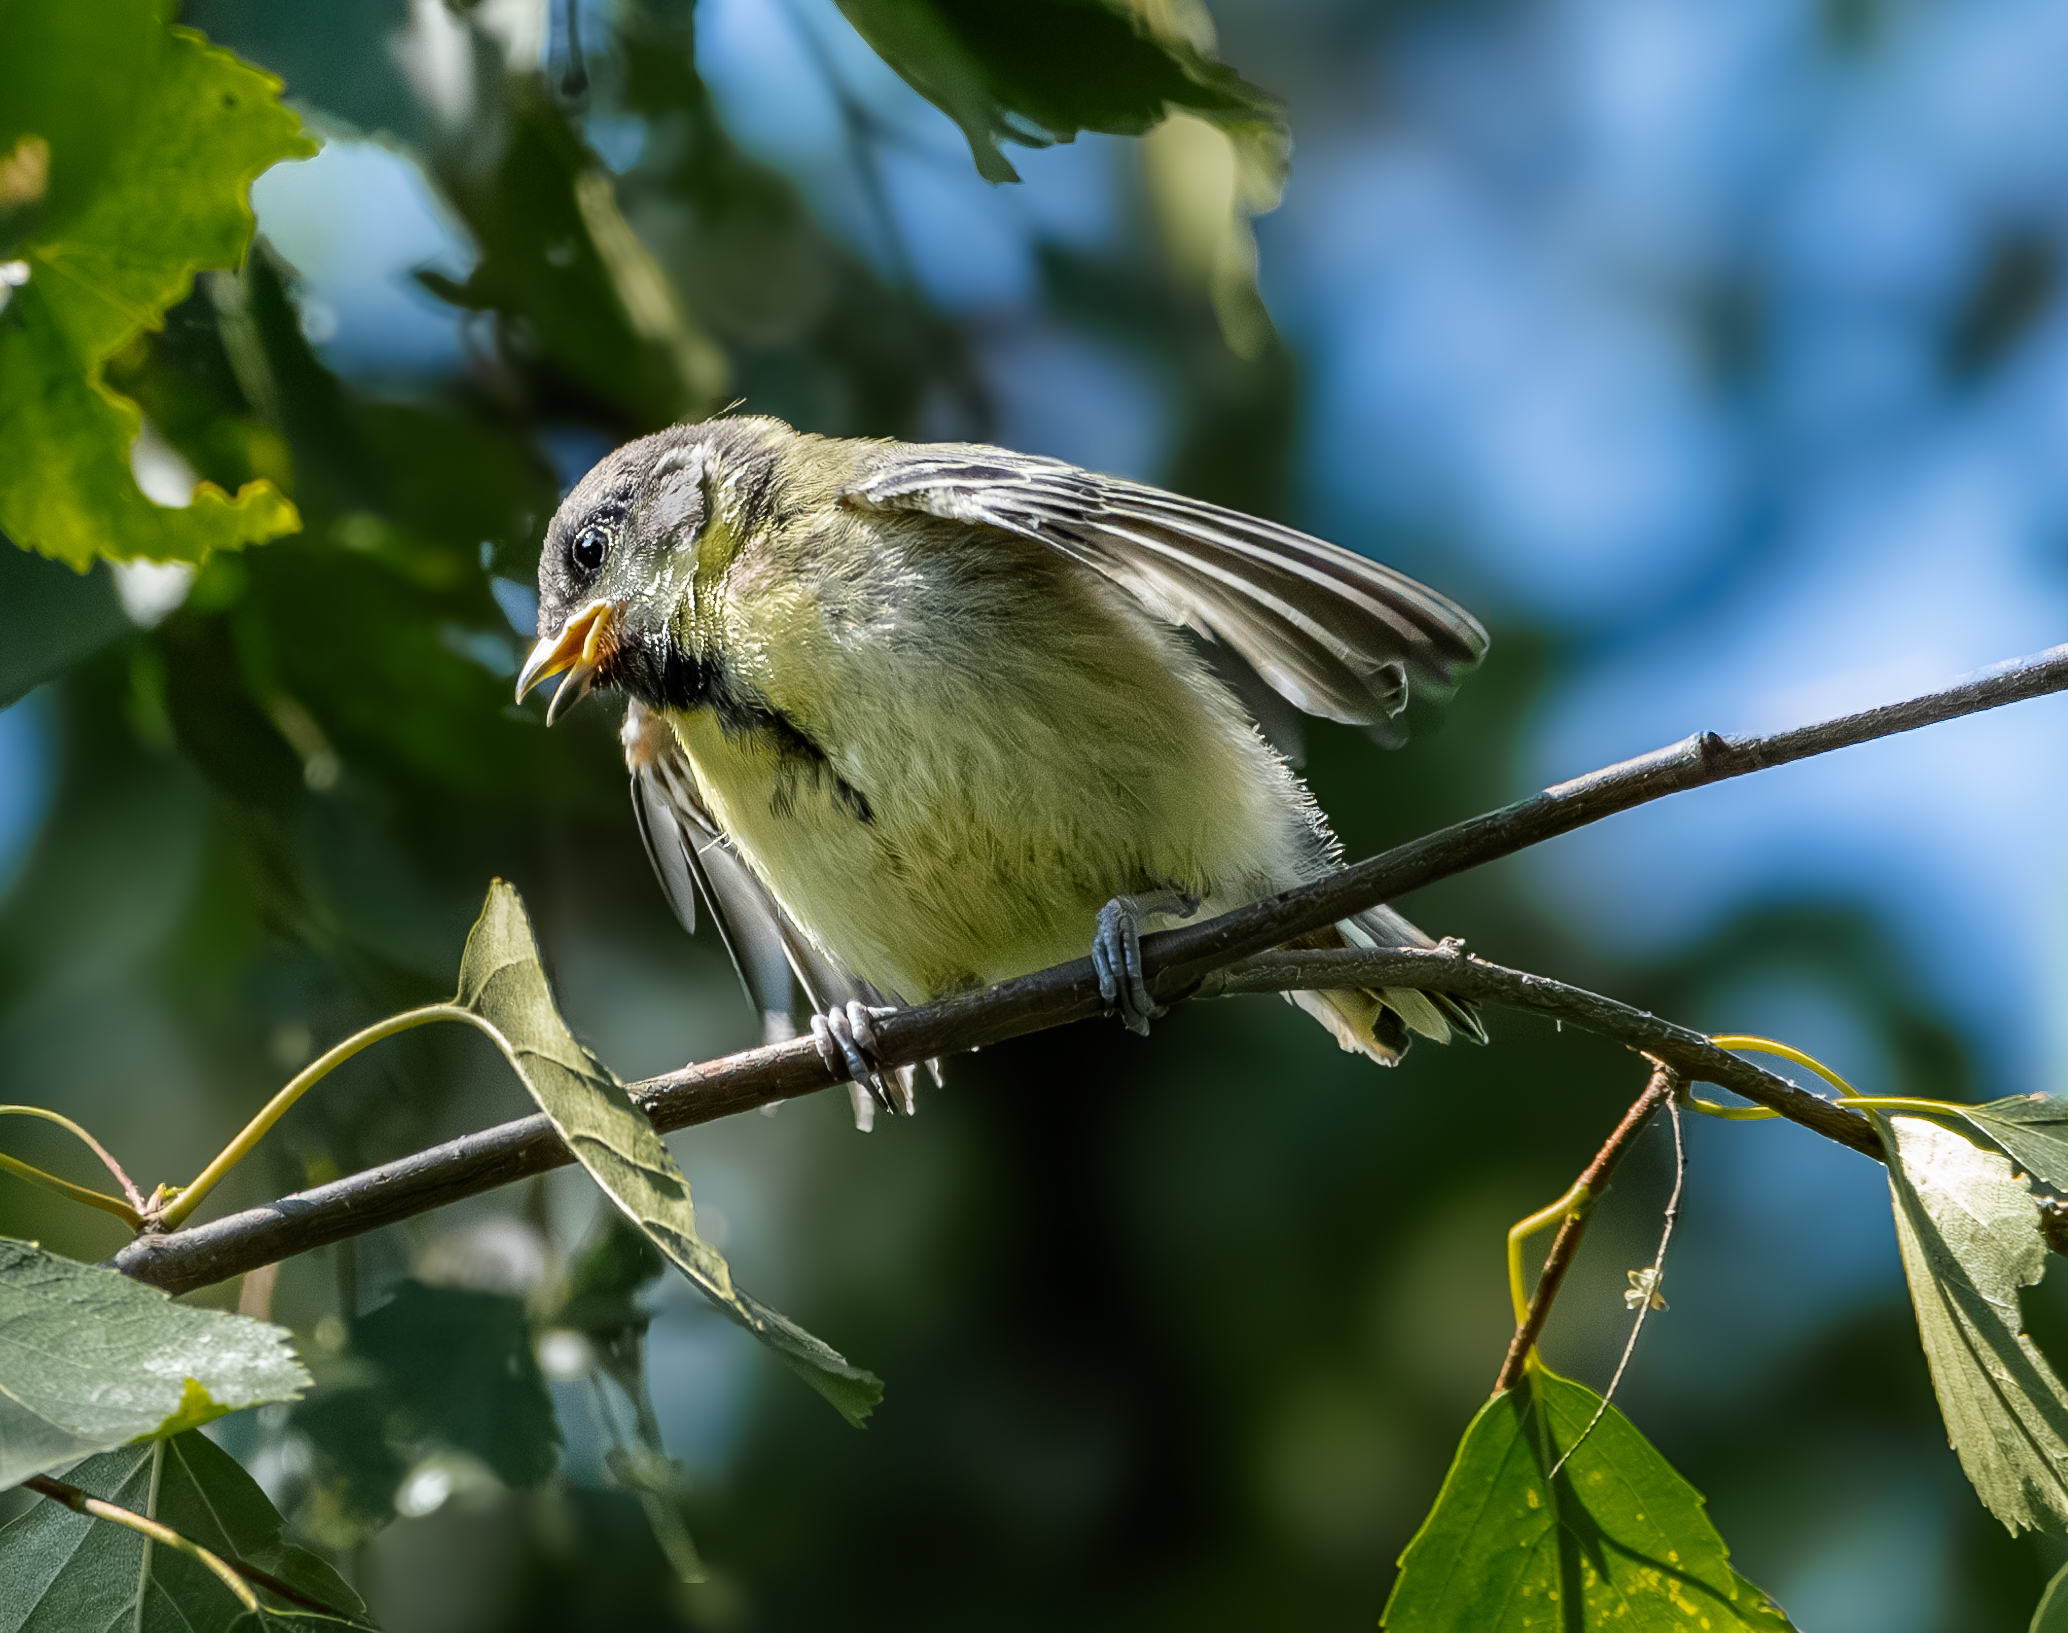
x: 1767, y: 1046
x: 108, y: 1162
x: 189, y: 1197
x: 81, y: 1503
x: 1574, y: 1201
x: 78, y: 1193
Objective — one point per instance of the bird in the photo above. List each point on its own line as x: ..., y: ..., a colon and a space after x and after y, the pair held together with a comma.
x: 913, y: 719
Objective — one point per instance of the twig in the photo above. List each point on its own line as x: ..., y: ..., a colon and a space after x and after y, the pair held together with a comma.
x: 1177, y: 963
x: 1646, y: 1292
x: 1567, y: 1243
x: 232, y: 1572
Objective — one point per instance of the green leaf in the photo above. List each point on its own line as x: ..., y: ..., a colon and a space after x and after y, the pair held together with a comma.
x: 90, y: 1360
x: 2033, y: 1128
x: 49, y: 620
x: 1970, y: 1234
x: 69, y: 1571
x: 443, y: 1368
x: 2052, y: 1614
x: 142, y: 194
x: 1039, y: 72
x: 502, y: 982
x: 1616, y: 1540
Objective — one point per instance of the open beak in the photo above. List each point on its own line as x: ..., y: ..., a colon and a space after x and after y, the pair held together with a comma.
x: 578, y: 649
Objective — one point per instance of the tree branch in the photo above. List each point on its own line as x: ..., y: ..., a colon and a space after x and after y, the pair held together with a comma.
x: 1178, y: 962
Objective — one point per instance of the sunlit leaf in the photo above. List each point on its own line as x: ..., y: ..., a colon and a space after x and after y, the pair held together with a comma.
x: 1970, y: 1235
x: 2033, y: 1128
x: 181, y: 131
x: 1616, y: 1540
x: 68, y: 1571
x: 501, y: 980
x: 90, y: 1360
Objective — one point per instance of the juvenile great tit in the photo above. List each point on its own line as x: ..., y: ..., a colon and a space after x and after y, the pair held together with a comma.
x: 918, y: 718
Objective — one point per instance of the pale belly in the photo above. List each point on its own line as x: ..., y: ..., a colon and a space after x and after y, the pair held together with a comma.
x: 939, y: 866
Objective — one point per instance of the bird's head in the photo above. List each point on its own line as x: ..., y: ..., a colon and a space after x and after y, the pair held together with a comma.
x: 619, y: 571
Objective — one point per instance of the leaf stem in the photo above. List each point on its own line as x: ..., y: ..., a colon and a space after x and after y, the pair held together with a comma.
x: 1572, y: 1205
x: 129, y: 1190
x: 184, y: 1201
x: 78, y: 1193
x: 1767, y: 1046
x: 1522, y: 1348
x: 164, y: 1535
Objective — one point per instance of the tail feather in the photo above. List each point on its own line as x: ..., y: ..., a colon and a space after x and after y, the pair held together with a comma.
x: 1377, y: 1024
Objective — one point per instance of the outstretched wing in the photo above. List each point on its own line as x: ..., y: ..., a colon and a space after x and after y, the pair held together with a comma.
x: 694, y: 861
x: 1339, y: 635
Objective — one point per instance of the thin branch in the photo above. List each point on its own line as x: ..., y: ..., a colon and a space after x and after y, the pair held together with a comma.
x: 228, y: 1568
x: 1593, y: 1181
x: 1644, y: 1291
x: 1177, y: 962
x: 81, y: 1502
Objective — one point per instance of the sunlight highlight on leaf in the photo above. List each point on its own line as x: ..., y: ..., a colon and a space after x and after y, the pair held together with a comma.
x: 1970, y: 1235
x: 149, y: 184
x: 1616, y: 1540
x: 90, y: 1360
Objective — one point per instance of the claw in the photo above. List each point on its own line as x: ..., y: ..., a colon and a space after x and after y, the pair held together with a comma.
x: 1116, y: 953
x: 846, y: 1036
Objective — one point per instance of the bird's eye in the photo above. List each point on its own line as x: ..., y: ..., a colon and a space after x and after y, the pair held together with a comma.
x: 590, y: 546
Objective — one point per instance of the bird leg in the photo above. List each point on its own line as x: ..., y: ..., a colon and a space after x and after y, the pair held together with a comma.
x: 846, y: 1036
x: 1116, y: 952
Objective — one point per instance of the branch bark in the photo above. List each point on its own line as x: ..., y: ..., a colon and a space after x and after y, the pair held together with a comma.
x: 1177, y: 962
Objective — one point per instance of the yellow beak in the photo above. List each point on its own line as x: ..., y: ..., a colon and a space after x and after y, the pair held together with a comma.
x: 577, y: 649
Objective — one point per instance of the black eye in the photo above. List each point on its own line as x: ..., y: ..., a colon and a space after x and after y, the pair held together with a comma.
x: 590, y: 546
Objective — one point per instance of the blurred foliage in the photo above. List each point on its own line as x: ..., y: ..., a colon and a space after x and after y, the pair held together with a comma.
x: 1182, y: 1334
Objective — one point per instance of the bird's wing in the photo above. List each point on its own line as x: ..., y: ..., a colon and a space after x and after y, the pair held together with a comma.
x: 694, y: 861
x: 1336, y: 633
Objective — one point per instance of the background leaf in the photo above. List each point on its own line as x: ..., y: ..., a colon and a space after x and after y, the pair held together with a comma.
x: 68, y: 1572
x: 1970, y: 1236
x: 501, y: 980
x: 1617, y: 1540
x: 187, y: 129
x: 90, y: 1360
x: 1039, y: 73
x: 429, y: 1370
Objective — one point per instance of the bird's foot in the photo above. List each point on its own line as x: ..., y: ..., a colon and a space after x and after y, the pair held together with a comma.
x: 846, y: 1036
x: 1116, y: 952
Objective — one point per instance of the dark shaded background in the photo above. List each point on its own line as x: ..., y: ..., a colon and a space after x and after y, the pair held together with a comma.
x: 1711, y: 351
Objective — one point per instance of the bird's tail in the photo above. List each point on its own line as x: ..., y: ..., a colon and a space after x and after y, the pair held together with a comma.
x: 1378, y: 1023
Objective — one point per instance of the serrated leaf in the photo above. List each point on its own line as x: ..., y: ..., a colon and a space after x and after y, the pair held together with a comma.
x: 2033, y: 1128
x: 90, y: 1360
x: 168, y: 161
x: 501, y: 981
x: 1970, y: 1234
x: 1617, y: 1540
x: 69, y: 1571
